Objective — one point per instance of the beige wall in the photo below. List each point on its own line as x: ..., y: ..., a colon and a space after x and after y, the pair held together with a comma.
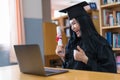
x: 46, y: 10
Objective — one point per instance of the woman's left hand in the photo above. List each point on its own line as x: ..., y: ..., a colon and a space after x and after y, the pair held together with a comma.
x: 79, y: 55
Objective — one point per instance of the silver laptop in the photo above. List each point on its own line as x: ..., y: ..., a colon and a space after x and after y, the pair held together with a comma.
x: 30, y: 61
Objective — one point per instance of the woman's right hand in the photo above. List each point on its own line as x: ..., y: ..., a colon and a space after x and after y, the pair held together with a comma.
x: 60, y: 51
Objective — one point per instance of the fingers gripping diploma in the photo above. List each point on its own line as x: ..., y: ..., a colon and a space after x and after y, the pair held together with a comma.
x: 79, y: 55
x: 60, y: 51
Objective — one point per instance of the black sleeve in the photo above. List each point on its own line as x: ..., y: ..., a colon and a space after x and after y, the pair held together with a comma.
x: 105, y: 61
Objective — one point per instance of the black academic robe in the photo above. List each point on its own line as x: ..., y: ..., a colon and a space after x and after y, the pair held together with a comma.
x: 100, y: 57
x: 99, y: 52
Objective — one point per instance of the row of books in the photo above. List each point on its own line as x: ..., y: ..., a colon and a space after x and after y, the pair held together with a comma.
x: 66, y: 22
x: 111, y: 18
x: 109, y: 1
x: 117, y: 57
x: 113, y: 38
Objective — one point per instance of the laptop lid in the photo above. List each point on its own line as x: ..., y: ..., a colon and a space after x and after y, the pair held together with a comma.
x: 30, y: 60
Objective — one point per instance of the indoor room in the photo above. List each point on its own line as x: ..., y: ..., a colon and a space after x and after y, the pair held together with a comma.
x: 78, y: 38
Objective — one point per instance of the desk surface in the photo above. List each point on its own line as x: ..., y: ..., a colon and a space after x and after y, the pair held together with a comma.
x: 13, y: 73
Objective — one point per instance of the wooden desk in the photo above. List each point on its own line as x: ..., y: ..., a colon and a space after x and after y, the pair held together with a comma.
x: 13, y: 73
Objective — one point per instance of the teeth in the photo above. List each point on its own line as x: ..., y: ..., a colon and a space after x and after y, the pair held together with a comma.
x: 77, y: 31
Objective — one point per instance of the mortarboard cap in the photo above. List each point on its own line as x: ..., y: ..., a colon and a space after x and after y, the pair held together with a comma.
x: 75, y: 10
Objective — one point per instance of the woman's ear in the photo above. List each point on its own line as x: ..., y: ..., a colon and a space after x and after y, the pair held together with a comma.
x: 87, y: 8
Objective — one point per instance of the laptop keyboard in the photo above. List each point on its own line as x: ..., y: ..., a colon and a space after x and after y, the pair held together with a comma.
x: 48, y: 70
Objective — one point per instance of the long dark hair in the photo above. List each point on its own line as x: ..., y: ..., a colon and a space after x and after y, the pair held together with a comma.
x: 90, y: 38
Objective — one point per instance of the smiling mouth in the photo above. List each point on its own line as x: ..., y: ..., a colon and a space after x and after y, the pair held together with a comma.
x: 77, y: 32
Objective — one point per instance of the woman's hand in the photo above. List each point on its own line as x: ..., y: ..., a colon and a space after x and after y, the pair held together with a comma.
x: 60, y: 51
x: 79, y: 55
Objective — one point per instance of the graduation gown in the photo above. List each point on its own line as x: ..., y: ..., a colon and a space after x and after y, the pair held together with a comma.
x: 99, y: 52
x: 100, y: 60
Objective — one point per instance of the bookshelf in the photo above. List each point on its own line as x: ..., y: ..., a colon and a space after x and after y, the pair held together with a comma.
x: 49, y: 33
x: 63, y: 22
x: 109, y: 15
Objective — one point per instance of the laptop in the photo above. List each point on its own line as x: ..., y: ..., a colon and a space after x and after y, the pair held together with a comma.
x: 30, y: 61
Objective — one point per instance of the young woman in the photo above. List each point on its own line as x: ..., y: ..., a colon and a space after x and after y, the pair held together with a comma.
x: 86, y: 49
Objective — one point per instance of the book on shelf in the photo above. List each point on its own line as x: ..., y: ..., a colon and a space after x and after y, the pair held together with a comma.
x: 118, y: 17
x: 106, y: 17
x: 67, y: 22
x: 111, y: 17
x: 108, y: 36
x: 67, y: 25
x: 115, y: 17
x: 118, y: 62
x: 116, y: 40
x: 109, y: 1
x: 113, y: 39
x: 111, y: 20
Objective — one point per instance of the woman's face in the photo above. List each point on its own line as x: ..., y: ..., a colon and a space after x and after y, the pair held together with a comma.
x: 75, y: 27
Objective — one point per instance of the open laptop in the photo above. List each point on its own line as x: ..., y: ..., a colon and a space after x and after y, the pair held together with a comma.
x: 30, y: 61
